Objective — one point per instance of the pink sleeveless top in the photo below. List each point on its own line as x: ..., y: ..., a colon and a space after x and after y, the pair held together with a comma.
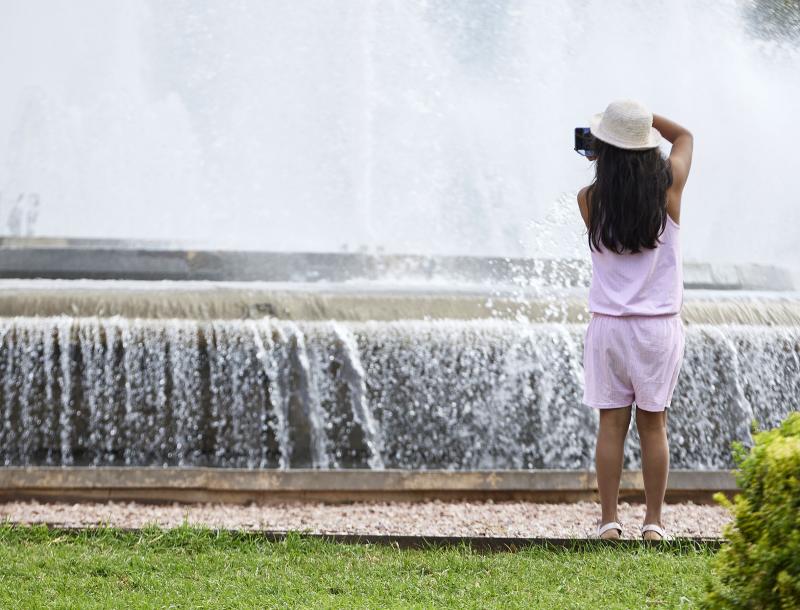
x: 647, y: 283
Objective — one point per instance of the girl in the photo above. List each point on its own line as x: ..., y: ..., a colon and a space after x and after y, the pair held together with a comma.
x: 634, y: 342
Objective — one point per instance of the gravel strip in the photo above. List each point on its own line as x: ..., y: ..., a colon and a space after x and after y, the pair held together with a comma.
x: 435, y: 518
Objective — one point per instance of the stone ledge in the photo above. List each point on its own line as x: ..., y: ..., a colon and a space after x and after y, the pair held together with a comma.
x: 239, y: 486
x: 304, y: 302
x: 120, y: 259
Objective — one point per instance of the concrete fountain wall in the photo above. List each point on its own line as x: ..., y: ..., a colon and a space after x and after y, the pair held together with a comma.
x: 359, y: 375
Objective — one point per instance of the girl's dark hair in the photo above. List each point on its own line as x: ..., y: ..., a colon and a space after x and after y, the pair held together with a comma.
x: 628, y: 198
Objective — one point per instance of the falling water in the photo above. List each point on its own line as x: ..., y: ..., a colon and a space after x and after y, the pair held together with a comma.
x: 406, y: 394
x: 352, y: 371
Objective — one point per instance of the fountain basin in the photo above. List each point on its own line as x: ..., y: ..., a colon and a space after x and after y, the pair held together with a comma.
x: 423, y: 363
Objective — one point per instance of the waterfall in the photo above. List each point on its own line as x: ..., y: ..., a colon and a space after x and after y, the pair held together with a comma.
x: 412, y: 394
x: 356, y: 381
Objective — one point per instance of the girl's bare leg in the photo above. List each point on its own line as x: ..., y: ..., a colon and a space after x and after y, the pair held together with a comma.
x: 614, y: 425
x: 652, y: 428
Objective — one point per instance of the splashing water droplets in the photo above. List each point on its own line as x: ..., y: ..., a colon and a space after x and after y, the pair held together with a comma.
x: 403, y: 394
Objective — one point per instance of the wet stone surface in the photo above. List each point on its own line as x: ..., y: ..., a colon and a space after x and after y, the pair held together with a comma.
x: 434, y: 518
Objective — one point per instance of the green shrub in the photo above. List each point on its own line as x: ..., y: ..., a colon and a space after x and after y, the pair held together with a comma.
x: 760, y: 565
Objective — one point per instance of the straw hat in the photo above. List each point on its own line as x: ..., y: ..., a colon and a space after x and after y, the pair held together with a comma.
x: 626, y: 124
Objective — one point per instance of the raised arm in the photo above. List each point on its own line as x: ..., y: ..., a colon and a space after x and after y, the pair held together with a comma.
x: 680, y: 157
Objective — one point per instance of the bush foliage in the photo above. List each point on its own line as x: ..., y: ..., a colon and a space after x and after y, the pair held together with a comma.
x: 760, y: 567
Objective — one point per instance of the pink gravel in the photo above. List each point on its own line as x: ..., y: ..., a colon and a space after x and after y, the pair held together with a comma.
x: 434, y: 518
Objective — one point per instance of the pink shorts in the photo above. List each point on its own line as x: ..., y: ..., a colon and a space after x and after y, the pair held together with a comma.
x: 629, y: 359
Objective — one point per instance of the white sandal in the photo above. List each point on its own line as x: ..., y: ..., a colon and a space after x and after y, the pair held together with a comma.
x: 652, y: 527
x: 611, y: 525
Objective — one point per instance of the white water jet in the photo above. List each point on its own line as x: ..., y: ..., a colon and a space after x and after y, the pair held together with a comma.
x: 423, y: 126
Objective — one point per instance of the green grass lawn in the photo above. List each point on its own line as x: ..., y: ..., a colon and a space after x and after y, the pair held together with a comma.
x: 199, y: 568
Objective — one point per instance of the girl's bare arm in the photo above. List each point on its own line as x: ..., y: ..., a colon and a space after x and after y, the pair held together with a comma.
x: 680, y: 157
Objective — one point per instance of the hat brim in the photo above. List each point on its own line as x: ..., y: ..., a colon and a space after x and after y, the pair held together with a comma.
x: 654, y: 138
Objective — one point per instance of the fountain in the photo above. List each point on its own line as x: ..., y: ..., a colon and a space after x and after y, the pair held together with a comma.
x: 480, y: 392
x: 339, y: 137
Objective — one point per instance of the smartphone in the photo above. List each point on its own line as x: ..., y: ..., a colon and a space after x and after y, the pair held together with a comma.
x: 584, y: 142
